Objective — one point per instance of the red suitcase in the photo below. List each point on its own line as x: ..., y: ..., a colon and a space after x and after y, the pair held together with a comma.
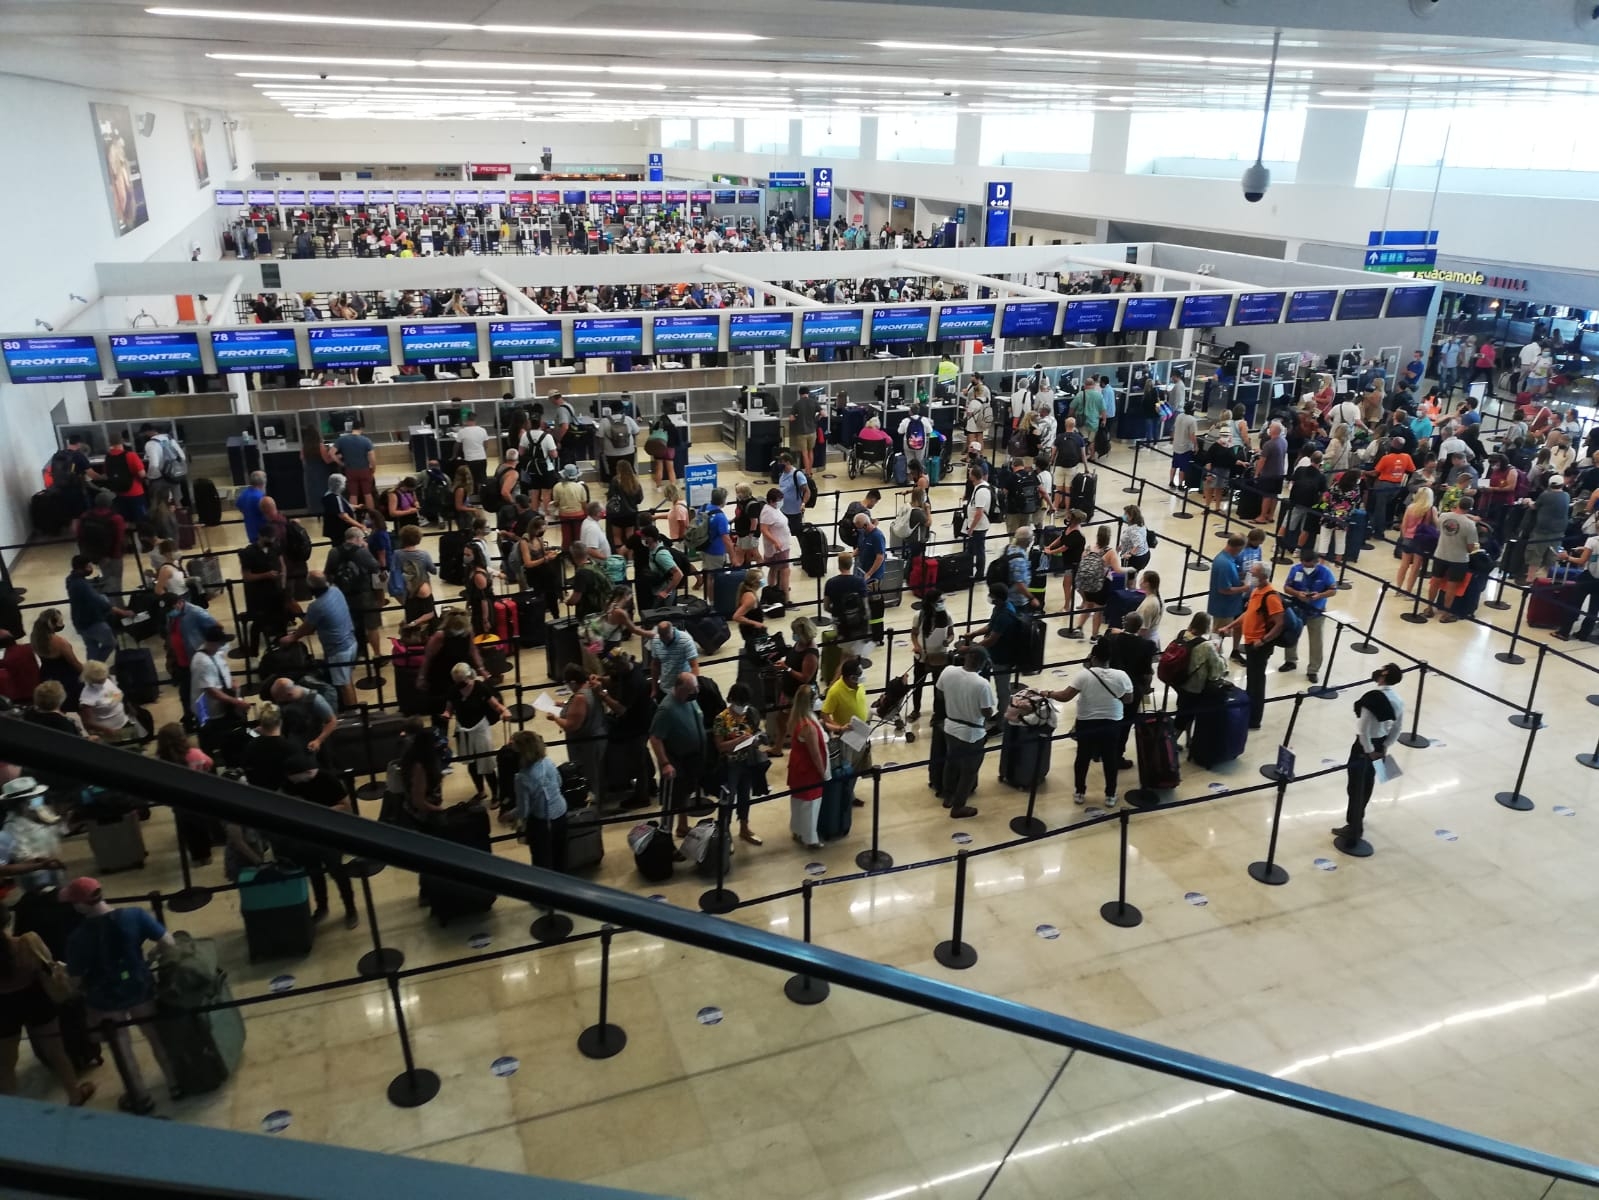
x: 1550, y: 603
x: 1155, y: 739
x: 507, y: 623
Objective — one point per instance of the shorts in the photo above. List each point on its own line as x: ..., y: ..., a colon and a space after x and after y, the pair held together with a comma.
x: 1219, y: 477
x: 750, y: 542
x: 1454, y: 572
x: 1269, y: 485
x: 712, y: 562
x: 372, y: 619
x: 1543, y: 558
x: 541, y: 483
x: 360, y: 481
x: 1179, y: 462
x: 28, y: 1007
x: 341, y: 670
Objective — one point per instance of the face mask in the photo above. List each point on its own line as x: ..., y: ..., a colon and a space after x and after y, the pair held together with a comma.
x: 939, y: 607
x: 741, y: 709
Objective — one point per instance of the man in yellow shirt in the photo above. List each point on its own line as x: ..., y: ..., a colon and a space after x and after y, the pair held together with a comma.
x: 845, y: 701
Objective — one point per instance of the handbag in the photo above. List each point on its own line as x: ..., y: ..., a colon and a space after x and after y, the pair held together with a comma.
x: 53, y: 976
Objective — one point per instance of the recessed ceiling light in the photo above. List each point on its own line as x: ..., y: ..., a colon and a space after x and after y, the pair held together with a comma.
x: 298, y: 18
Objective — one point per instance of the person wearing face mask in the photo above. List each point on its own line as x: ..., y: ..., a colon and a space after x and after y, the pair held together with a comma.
x: 91, y: 610
x: 677, y: 741
x: 1379, y: 718
x: 1262, y: 624
x: 845, y: 703
x: 746, y: 765
x: 328, y: 616
x: 931, y: 636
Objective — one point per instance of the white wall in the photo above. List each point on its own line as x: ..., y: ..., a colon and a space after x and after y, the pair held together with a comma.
x: 286, y: 139
x: 63, y: 227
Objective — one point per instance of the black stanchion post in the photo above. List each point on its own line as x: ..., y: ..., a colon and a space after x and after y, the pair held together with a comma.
x: 1269, y: 770
x: 603, y: 1040
x: 1182, y: 514
x: 1180, y: 609
x: 875, y: 859
x: 1498, y: 602
x: 373, y: 788
x: 414, y: 1086
x: 1269, y: 872
x: 1199, y: 555
x: 721, y: 899
x: 1029, y: 825
x: 372, y: 680
x: 1132, y: 485
x: 381, y: 960
x: 241, y: 647
x: 1118, y: 912
x: 521, y: 712
x: 1526, y: 718
x: 804, y: 989
x: 1325, y: 690
x: 1413, y: 739
x: 1516, y: 800
x: 1510, y: 657
x: 1590, y: 760
x: 1415, y: 615
x: 956, y: 954
x: 1368, y: 646
x: 189, y: 898
x: 1343, y: 584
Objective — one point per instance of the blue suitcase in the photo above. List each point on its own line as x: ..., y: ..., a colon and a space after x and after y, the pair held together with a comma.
x: 836, y: 814
x: 276, y: 906
x: 1122, y: 601
x: 724, y: 590
x: 1354, y: 535
x: 1221, y: 730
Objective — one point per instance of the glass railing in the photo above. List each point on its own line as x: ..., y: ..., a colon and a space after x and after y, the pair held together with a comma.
x: 656, y: 1049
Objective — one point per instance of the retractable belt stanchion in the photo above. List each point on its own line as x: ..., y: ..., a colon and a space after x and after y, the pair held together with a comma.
x: 1526, y: 718
x: 1199, y: 555
x: 1180, y: 609
x: 804, y: 989
x: 372, y: 680
x: 241, y: 644
x: 1368, y: 646
x: 1270, y: 770
x: 875, y: 859
x: 956, y: 954
x: 1343, y: 584
x: 1029, y: 825
x: 1132, y: 486
x: 381, y: 960
x: 1510, y: 657
x: 1498, y: 602
x: 1182, y: 514
x: 1413, y: 739
x: 1118, y: 912
x: 1415, y: 616
x: 721, y: 899
x: 189, y: 898
x: 1590, y: 760
x: 1325, y: 690
x: 602, y: 1039
x: 373, y: 788
x: 1268, y: 872
x: 414, y: 1086
x: 1516, y: 800
x: 521, y: 712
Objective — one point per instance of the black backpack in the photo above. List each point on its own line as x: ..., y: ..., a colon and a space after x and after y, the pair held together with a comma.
x: 118, y: 473
x: 297, y: 543
x: 1023, y: 491
x: 94, y: 534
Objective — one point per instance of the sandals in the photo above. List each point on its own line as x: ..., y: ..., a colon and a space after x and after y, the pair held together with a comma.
x: 745, y: 835
x: 85, y: 1094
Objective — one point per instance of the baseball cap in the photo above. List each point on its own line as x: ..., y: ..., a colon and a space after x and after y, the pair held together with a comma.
x: 82, y: 890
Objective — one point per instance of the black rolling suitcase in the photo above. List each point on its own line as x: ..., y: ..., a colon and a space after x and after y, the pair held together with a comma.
x: 47, y: 513
x: 207, y: 503
x: 465, y: 825
x: 1248, y: 505
x: 561, y: 646
x: 452, y: 548
x: 1024, y: 755
x: 653, y: 849
x: 531, y: 632
x: 813, y: 551
x: 1084, y: 490
x: 584, y: 845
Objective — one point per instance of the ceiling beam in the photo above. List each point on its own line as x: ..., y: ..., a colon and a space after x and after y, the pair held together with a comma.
x: 1105, y: 264
x: 988, y: 281
x: 771, y: 289
x: 514, y: 296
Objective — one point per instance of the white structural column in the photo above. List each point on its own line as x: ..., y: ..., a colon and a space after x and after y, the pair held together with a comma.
x: 1330, y: 152
x: 796, y: 140
x: 522, y: 373
x: 1108, y: 155
x: 968, y: 139
x: 222, y: 314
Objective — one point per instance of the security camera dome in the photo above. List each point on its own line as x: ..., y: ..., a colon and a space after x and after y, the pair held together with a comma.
x: 1256, y: 181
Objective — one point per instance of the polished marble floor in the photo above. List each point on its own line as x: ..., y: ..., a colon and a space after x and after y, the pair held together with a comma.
x: 1452, y: 975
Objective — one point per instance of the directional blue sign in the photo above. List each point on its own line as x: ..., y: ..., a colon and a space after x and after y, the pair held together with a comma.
x: 1401, y: 258
x: 657, y: 168
x: 1402, y: 237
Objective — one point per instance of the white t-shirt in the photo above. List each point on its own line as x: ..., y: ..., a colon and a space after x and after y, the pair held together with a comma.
x: 775, y: 526
x: 982, y: 498
x: 1530, y: 354
x: 966, y: 695
x: 207, y: 671
x: 1099, y: 693
x: 473, y: 440
x: 1346, y: 412
x: 592, y: 535
x: 1592, y: 569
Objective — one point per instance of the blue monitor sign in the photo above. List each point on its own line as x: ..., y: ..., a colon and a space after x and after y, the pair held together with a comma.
x: 891, y: 325
x: 687, y: 334
x: 441, y: 342
x: 1032, y: 319
x: 1259, y: 308
x: 254, y: 349
x: 965, y: 321
x: 349, y: 345
x: 1207, y: 310
x: 1410, y: 301
x: 52, y: 359
x: 760, y: 331
x: 822, y: 193
x: 1091, y: 316
x: 523, y: 341
x: 996, y: 214
x: 1311, y: 305
x: 1145, y: 313
x: 594, y: 337
x: 831, y: 327
x: 1361, y: 304
x: 156, y: 353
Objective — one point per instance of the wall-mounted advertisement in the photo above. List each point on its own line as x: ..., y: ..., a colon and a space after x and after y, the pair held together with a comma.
x: 688, y: 334
x: 67, y: 359
x: 118, y: 142
x: 966, y: 321
x: 163, y: 353
x: 194, y: 126
x: 630, y: 196
x: 440, y: 342
x: 760, y: 331
x: 892, y: 325
x: 337, y: 346
x: 831, y: 327
x: 524, y: 341
x: 264, y: 349
x: 595, y: 337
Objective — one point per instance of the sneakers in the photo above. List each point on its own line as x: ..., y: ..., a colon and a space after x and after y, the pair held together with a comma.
x: 1311, y: 675
x: 961, y: 813
x: 1079, y: 799
x: 1110, y: 801
x: 1286, y: 667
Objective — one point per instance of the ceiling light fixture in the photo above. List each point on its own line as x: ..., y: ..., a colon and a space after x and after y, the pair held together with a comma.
x: 956, y: 46
x: 296, y: 18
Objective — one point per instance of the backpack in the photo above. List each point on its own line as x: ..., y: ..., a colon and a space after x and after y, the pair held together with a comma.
x: 916, y: 435
x: 95, y: 532
x: 617, y: 437
x: 539, y: 461
x: 698, y: 534
x: 60, y: 469
x: 1024, y: 492
x: 1174, y: 663
x: 118, y: 472
x: 620, y: 509
x: 804, y: 481
x: 297, y: 543
x: 348, y: 576
x: 998, y: 571
x: 174, y: 463
x: 901, y: 528
x: 1070, y: 444
x: 397, y: 586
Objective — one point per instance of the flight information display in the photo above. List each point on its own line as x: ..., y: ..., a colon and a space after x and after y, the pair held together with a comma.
x: 594, y: 337
x: 165, y: 353
x: 627, y: 197
x: 966, y: 321
x: 677, y: 196
x: 441, y: 342
x: 726, y: 196
x: 349, y: 345
x: 1207, y: 310
x: 327, y: 196
x: 439, y: 197
x: 890, y: 325
x: 688, y: 333
x: 72, y: 359
x: 572, y: 196
x: 1144, y: 313
x: 291, y: 197
x: 547, y: 197
x: 403, y: 196
x: 522, y: 341
x: 1313, y: 305
x: 1030, y: 319
x: 831, y: 326
x: 1361, y: 304
x: 1091, y: 316
x: 603, y: 197
x: 760, y: 331
x: 254, y: 349
x: 376, y: 196
x: 229, y: 196
x: 1259, y: 308
x: 1410, y: 301
x: 651, y: 197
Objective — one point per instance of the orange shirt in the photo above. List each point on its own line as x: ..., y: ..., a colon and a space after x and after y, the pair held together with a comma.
x: 1394, y: 468
x: 1262, y: 606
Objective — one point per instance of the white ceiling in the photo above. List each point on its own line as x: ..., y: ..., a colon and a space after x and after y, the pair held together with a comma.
x: 692, y: 58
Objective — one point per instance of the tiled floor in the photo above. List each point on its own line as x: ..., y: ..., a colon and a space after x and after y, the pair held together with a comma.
x: 1452, y: 976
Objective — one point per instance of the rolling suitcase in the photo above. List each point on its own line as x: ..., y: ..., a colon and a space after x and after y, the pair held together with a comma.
x: 653, y: 850
x: 923, y: 575
x: 117, y: 841
x: 202, y: 1047
x: 507, y: 620
x: 136, y: 673
x: 452, y: 548
x: 724, y: 590
x: 710, y: 632
x: 584, y: 845
x: 954, y: 573
x: 813, y: 551
x: 48, y: 514
x: 1221, y: 729
x: 207, y: 503
x: 366, y: 749
x: 1248, y: 505
x: 562, y: 646
x: 1465, y: 604
x: 836, y: 813
x: 1085, y: 487
x: 188, y: 536
x: 1354, y: 535
x: 1121, y: 602
x: 1037, y: 637
x: 704, y: 844
x: 531, y: 633
x: 1155, y: 739
x: 276, y: 903
x: 1550, y: 603
x: 1024, y: 755
x: 465, y: 825
x: 294, y: 660
x: 892, y: 585
x: 494, y: 652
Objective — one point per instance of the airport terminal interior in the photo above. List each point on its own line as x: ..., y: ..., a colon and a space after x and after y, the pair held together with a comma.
x: 979, y: 602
